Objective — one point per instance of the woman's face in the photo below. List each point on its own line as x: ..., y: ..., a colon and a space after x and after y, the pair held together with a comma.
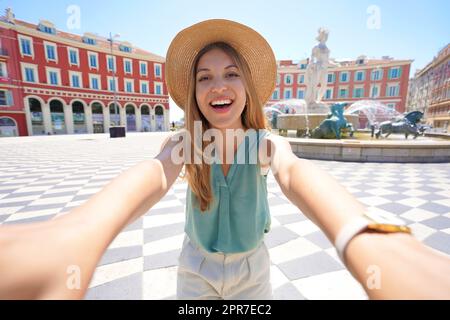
x: 219, y: 90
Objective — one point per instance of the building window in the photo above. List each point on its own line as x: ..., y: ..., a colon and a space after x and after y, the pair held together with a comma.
x: 3, y: 70
x: 144, y: 87
x: 360, y: 76
x: 125, y: 48
x: 158, y: 88
x: 93, y: 64
x: 6, y: 98
x: 75, y: 79
x: 300, y: 94
x: 90, y: 41
x: 394, y: 73
x: 128, y: 66
x: 275, y: 95
x: 50, y: 51
x: 111, y: 84
x: 329, y: 94
x: 143, y: 68
x: 29, y: 75
x: 343, y: 93
x: 393, y: 90
x: 73, y: 56
x: 377, y: 75
x: 129, y: 86
x: 301, y: 78
x: 53, y: 76
x: 26, y: 46
x: 358, y: 92
x: 3, y: 100
x: 303, y: 66
x: 288, y: 79
x: 375, y: 92
x: 29, y: 72
x: 94, y: 82
x: 111, y: 61
x: 331, y: 78
x: 157, y: 70
x: 344, y: 76
x: 288, y: 94
x: 46, y: 29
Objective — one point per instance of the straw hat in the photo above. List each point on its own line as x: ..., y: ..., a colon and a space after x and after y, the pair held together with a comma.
x: 250, y: 44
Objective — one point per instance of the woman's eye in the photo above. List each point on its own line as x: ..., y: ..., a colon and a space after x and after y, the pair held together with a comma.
x: 233, y: 75
x: 202, y: 78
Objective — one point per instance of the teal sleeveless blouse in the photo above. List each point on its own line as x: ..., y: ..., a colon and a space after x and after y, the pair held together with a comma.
x: 239, y: 215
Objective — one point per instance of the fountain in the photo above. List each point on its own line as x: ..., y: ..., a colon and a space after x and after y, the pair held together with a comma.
x: 301, y: 115
x: 375, y: 111
x: 294, y: 114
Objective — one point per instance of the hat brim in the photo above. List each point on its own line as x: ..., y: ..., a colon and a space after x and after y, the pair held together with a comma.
x: 254, y: 49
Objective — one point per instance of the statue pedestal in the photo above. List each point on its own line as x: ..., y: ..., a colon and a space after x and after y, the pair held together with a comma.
x: 318, y: 108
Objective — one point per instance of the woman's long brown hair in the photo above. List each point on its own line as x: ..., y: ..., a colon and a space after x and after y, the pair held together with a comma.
x: 252, y: 117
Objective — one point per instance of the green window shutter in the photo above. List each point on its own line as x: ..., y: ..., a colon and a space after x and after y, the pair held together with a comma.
x: 9, y: 98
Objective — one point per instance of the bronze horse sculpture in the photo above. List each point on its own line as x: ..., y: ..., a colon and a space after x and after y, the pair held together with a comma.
x: 331, y: 127
x: 407, y: 126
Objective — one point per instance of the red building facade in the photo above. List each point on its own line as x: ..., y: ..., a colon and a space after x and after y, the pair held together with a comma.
x: 384, y: 80
x: 53, y: 82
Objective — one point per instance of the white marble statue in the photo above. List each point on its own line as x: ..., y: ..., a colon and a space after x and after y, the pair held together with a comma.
x: 316, y: 72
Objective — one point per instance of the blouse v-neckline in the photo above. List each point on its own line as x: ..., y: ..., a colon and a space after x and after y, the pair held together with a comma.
x: 227, y: 178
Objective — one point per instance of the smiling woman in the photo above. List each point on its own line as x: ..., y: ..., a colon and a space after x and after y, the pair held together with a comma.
x: 220, y: 76
x: 219, y: 86
x: 204, y: 75
x: 224, y: 255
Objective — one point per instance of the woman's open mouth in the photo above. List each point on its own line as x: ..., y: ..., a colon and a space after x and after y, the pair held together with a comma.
x: 221, y: 106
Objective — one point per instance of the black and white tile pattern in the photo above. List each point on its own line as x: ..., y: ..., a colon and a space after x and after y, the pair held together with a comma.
x: 41, y: 177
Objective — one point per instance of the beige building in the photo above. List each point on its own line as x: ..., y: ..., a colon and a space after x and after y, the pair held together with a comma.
x: 429, y: 91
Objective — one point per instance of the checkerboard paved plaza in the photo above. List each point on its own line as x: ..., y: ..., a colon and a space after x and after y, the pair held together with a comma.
x: 41, y: 177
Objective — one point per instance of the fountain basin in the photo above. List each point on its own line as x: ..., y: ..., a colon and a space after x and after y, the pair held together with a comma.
x: 406, y: 151
x: 298, y: 121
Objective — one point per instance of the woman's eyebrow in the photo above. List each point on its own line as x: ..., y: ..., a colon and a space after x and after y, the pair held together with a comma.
x: 231, y: 66
x: 202, y: 69
x: 206, y: 69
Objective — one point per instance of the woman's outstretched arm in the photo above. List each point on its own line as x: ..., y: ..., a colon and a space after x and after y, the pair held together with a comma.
x: 389, y: 266
x: 56, y: 259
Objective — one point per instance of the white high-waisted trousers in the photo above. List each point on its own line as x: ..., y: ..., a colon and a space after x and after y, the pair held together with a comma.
x: 235, y: 276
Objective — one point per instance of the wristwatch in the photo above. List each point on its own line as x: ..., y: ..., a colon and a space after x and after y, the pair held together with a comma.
x: 368, y: 222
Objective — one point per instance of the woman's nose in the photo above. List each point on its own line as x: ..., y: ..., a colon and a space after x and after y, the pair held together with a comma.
x: 218, y: 85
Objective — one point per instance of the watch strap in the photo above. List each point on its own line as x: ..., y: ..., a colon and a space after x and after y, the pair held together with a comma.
x: 348, y: 232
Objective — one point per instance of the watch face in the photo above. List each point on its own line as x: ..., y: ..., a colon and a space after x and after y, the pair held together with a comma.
x: 385, y: 218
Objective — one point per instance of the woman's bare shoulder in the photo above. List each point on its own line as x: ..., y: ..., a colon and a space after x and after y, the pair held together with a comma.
x: 275, y: 141
x: 173, y: 139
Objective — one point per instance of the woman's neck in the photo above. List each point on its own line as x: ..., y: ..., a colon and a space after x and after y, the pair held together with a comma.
x: 230, y: 146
